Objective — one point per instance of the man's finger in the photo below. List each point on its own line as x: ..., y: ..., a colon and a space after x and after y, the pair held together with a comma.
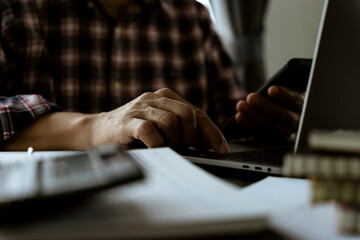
x: 166, y: 123
x: 290, y: 98
x: 184, y: 112
x: 242, y: 120
x: 145, y: 131
x: 206, y: 128
x: 272, y: 110
x: 264, y: 122
x: 211, y: 133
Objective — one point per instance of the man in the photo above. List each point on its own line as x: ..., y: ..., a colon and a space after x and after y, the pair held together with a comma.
x: 77, y: 74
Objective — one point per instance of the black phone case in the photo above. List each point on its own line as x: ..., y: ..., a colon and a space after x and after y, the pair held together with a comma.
x: 293, y: 75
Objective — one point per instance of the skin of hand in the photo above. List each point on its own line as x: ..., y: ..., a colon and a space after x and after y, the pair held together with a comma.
x: 160, y: 118
x: 280, y: 116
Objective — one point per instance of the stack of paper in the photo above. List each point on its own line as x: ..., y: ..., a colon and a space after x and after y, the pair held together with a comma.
x: 177, y: 199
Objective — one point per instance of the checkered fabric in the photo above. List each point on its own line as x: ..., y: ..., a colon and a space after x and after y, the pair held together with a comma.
x: 70, y: 55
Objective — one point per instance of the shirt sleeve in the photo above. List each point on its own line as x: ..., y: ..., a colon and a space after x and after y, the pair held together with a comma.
x: 18, y: 111
x: 225, y: 88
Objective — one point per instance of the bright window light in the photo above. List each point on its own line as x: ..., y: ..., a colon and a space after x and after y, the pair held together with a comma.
x: 207, y: 4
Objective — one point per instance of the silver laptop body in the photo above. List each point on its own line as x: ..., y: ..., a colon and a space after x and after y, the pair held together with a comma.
x: 333, y: 94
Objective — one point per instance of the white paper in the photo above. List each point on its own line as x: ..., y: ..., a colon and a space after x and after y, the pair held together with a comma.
x: 311, y: 222
x: 282, y: 194
x: 175, y: 199
x: 292, y: 213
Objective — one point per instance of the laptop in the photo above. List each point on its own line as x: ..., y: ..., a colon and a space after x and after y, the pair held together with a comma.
x: 332, y: 95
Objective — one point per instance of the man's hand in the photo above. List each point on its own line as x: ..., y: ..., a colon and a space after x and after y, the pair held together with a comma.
x: 158, y: 119
x: 262, y: 116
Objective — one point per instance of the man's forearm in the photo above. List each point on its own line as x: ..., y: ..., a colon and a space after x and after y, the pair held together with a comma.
x: 157, y: 119
x: 55, y: 131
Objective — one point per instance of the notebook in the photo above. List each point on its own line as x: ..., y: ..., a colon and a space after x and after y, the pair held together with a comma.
x: 331, y: 97
x: 176, y: 200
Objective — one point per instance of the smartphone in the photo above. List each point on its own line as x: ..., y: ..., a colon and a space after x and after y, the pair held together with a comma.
x: 293, y: 75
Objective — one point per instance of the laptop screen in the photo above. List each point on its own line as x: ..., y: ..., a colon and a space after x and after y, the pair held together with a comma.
x: 333, y: 91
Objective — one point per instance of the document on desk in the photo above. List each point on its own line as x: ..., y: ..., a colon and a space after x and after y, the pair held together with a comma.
x: 176, y: 199
x: 292, y: 214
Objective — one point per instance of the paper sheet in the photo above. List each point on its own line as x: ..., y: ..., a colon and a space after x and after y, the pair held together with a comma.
x: 282, y: 194
x: 176, y: 199
x: 292, y: 214
x: 312, y: 222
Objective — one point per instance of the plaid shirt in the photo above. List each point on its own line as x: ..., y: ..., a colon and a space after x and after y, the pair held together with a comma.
x: 72, y: 54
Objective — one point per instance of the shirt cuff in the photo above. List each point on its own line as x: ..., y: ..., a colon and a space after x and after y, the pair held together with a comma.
x: 19, y: 111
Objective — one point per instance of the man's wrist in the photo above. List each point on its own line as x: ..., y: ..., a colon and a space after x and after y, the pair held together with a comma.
x: 55, y: 131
